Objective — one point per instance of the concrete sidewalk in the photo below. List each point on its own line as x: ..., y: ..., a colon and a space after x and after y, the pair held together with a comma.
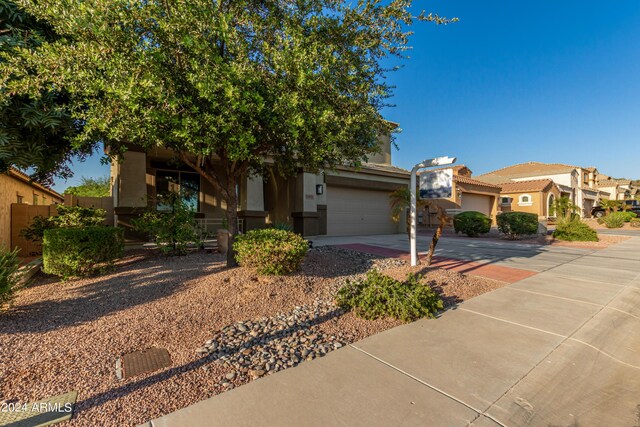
x: 559, y: 348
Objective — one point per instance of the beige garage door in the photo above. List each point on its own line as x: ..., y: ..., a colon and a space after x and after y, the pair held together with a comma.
x: 356, y: 212
x: 476, y: 202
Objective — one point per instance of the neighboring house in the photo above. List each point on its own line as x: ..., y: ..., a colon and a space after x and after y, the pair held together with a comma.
x: 575, y: 182
x: 533, y: 196
x: 17, y: 188
x: 346, y: 201
x: 467, y: 194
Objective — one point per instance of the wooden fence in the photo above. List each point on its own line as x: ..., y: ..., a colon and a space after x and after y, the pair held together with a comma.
x: 22, y: 215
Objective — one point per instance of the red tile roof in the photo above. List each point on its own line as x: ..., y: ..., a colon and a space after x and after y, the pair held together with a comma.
x: 529, y: 185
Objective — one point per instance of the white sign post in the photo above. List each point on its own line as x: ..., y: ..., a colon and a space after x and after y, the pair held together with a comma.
x: 438, y: 161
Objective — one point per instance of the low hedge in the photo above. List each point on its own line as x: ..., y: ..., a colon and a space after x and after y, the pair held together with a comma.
x: 575, y: 230
x: 271, y: 251
x: 382, y: 296
x: 517, y: 224
x: 82, y: 251
x: 472, y: 223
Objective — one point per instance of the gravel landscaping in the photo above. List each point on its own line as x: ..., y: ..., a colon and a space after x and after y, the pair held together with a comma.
x: 222, y: 328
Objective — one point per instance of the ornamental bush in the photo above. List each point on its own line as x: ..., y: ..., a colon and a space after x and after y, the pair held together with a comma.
x: 174, y: 229
x: 574, y: 230
x: 68, y: 252
x: 68, y: 216
x: 270, y: 251
x: 628, y: 216
x: 9, y: 264
x: 615, y: 219
x: 517, y: 224
x: 472, y: 223
x: 382, y: 296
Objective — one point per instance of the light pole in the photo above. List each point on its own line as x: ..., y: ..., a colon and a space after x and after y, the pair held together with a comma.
x: 438, y: 161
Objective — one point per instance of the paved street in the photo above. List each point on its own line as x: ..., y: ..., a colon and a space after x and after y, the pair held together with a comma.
x: 559, y: 348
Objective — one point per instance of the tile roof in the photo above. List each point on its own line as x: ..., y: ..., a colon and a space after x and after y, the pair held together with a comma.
x: 466, y: 180
x: 608, y: 183
x: 530, y: 185
x: 17, y: 173
x: 385, y: 168
x: 524, y: 170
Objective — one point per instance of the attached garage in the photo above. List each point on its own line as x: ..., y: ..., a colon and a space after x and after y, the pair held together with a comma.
x: 477, y: 202
x: 356, y: 211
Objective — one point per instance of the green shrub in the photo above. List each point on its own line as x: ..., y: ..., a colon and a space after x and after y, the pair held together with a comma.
x: 9, y: 264
x: 614, y: 219
x: 282, y: 226
x: 172, y: 230
x: 575, y: 230
x: 635, y: 222
x: 270, y: 251
x: 472, y: 223
x: 517, y: 224
x: 382, y: 296
x: 68, y: 216
x: 68, y: 252
x: 628, y: 216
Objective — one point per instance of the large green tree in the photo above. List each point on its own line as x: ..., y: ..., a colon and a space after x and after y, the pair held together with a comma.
x: 36, y: 128
x: 230, y: 85
x: 91, y: 187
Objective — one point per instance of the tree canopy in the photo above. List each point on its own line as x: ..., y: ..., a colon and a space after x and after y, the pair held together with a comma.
x: 36, y: 127
x: 240, y: 84
x: 91, y: 187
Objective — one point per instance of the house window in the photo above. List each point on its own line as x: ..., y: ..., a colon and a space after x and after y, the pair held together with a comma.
x: 35, y: 199
x: 20, y: 199
x: 505, y: 200
x: 186, y: 183
x: 44, y: 200
x: 525, y: 200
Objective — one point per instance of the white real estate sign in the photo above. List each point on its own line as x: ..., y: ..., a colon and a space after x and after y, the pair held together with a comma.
x: 436, y: 184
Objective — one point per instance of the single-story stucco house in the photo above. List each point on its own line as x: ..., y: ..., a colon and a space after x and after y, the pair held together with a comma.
x: 16, y: 188
x: 467, y: 194
x: 533, y: 196
x: 345, y: 201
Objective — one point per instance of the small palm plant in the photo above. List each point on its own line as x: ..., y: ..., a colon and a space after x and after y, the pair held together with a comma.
x: 563, y: 207
x: 609, y: 205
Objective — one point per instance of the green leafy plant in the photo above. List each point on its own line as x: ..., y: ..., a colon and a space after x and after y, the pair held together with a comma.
x: 517, y: 224
x: 282, y: 226
x: 382, y: 296
x: 628, y: 216
x: 174, y: 229
x: 614, y: 219
x: 81, y: 251
x: 9, y: 264
x: 271, y: 251
x: 563, y: 207
x: 68, y: 217
x: 574, y: 230
x: 472, y: 223
x: 91, y: 187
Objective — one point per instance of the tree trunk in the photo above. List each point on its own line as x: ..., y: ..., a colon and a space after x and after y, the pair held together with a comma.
x: 443, y: 219
x: 232, y: 219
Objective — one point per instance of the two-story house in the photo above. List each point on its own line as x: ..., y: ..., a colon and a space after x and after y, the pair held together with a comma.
x: 345, y: 201
x: 575, y: 182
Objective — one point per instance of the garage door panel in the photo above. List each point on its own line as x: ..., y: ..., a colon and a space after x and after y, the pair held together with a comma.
x: 476, y: 202
x: 356, y: 211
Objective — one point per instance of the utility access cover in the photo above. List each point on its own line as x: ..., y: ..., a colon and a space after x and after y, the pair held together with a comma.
x: 141, y: 362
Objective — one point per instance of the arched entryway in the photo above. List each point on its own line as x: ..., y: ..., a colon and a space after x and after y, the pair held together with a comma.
x: 551, y: 198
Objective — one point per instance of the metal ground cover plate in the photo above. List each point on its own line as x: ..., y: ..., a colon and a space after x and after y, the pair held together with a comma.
x: 141, y: 362
x: 41, y: 413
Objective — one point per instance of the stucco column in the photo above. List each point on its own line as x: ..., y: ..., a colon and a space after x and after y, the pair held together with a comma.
x: 252, y: 203
x: 305, y: 215
x: 132, y: 180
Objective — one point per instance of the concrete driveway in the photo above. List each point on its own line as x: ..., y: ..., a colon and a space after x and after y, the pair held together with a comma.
x: 560, y: 348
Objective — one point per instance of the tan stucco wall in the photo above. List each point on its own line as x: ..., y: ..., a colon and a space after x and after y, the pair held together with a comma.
x: 10, y: 188
x: 535, y: 207
x: 384, y: 157
x: 132, y: 180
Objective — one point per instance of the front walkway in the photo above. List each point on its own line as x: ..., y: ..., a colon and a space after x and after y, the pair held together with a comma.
x: 559, y: 348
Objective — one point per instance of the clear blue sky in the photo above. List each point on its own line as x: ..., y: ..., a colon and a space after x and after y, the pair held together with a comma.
x: 515, y: 81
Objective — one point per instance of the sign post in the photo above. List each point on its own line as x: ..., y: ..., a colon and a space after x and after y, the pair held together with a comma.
x: 438, y: 161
